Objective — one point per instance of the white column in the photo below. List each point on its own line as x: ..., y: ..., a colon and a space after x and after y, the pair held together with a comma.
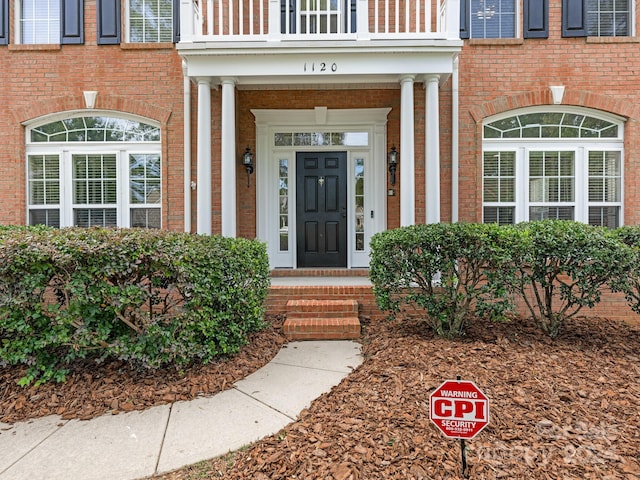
x: 228, y: 158
x: 407, y: 153
x: 455, y: 159
x: 187, y: 148
x: 203, y: 197
x: 432, y: 149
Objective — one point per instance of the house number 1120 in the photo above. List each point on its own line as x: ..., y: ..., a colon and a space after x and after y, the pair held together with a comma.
x: 320, y: 67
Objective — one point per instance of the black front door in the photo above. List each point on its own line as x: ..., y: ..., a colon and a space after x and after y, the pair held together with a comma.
x: 321, y: 209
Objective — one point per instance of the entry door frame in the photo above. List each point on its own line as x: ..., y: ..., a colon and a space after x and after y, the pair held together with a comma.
x: 268, y: 157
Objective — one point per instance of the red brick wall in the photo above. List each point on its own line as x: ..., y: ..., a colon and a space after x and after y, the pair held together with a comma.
x: 495, y: 76
x: 37, y: 80
x: 499, y: 75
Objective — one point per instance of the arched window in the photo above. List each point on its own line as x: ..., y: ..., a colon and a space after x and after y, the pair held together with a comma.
x: 94, y: 170
x: 553, y: 163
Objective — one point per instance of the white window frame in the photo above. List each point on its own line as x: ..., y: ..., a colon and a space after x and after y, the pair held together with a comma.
x: 127, y: 15
x: 516, y: 27
x: 631, y: 26
x: 66, y: 181
x: 65, y: 151
x: 126, y: 180
x: 581, y: 148
x: 268, y: 122
x: 18, y: 40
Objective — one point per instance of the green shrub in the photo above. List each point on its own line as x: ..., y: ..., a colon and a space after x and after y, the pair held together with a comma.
x: 449, y: 270
x: 152, y: 298
x: 629, y: 282
x: 562, y: 267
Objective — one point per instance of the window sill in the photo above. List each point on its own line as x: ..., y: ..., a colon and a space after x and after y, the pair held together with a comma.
x: 613, y: 40
x: 496, y: 41
x: 34, y: 47
x: 147, y: 46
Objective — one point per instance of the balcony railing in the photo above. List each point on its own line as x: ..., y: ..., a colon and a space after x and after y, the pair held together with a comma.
x: 280, y: 20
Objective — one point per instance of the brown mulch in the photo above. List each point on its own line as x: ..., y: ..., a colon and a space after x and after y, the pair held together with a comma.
x: 560, y: 409
x: 567, y: 408
x: 95, y: 389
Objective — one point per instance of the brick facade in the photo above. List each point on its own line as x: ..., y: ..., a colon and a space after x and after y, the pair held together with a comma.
x: 495, y: 76
x: 39, y: 81
x: 501, y: 75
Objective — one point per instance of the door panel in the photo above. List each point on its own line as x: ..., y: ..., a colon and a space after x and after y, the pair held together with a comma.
x: 321, y: 209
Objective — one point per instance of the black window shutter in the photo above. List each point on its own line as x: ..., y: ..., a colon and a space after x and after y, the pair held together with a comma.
x: 108, y: 22
x: 4, y: 22
x: 72, y: 22
x: 574, y: 18
x: 464, y: 18
x: 536, y: 19
x: 176, y: 21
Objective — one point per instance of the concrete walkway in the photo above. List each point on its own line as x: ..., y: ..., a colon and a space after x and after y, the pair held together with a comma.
x: 161, y: 439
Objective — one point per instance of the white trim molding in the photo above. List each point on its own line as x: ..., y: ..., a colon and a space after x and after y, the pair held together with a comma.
x: 319, y: 119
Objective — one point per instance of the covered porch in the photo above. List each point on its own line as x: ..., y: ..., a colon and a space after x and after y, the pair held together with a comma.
x: 236, y: 54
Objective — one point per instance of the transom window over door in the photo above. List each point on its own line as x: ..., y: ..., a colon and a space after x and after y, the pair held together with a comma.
x: 94, y: 171
x: 553, y: 164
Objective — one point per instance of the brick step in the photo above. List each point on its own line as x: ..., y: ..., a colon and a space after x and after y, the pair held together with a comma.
x: 322, y: 319
x: 322, y: 308
x: 345, y: 328
x: 279, y: 297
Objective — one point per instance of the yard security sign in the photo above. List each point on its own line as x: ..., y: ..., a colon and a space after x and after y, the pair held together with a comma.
x: 459, y: 409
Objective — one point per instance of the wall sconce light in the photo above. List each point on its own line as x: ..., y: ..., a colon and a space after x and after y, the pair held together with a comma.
x: 247, y: 161
x: 393, y: 164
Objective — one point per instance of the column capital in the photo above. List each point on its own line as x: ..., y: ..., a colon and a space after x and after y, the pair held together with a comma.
x: 431, y: 79
x: 203, y: 81
x: 407, y: 78
x: 228, y: 81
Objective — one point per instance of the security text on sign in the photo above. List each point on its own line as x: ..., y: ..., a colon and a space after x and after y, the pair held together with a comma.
x: 459, y: 409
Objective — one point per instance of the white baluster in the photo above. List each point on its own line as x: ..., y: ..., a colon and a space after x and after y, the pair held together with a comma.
x: 407, y: 17
x: 274, y: 19
x: 362, y: 18
x: 397, y: 19
x: 210, y: 25
x: 376, y: 10
x: 386, y: 16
